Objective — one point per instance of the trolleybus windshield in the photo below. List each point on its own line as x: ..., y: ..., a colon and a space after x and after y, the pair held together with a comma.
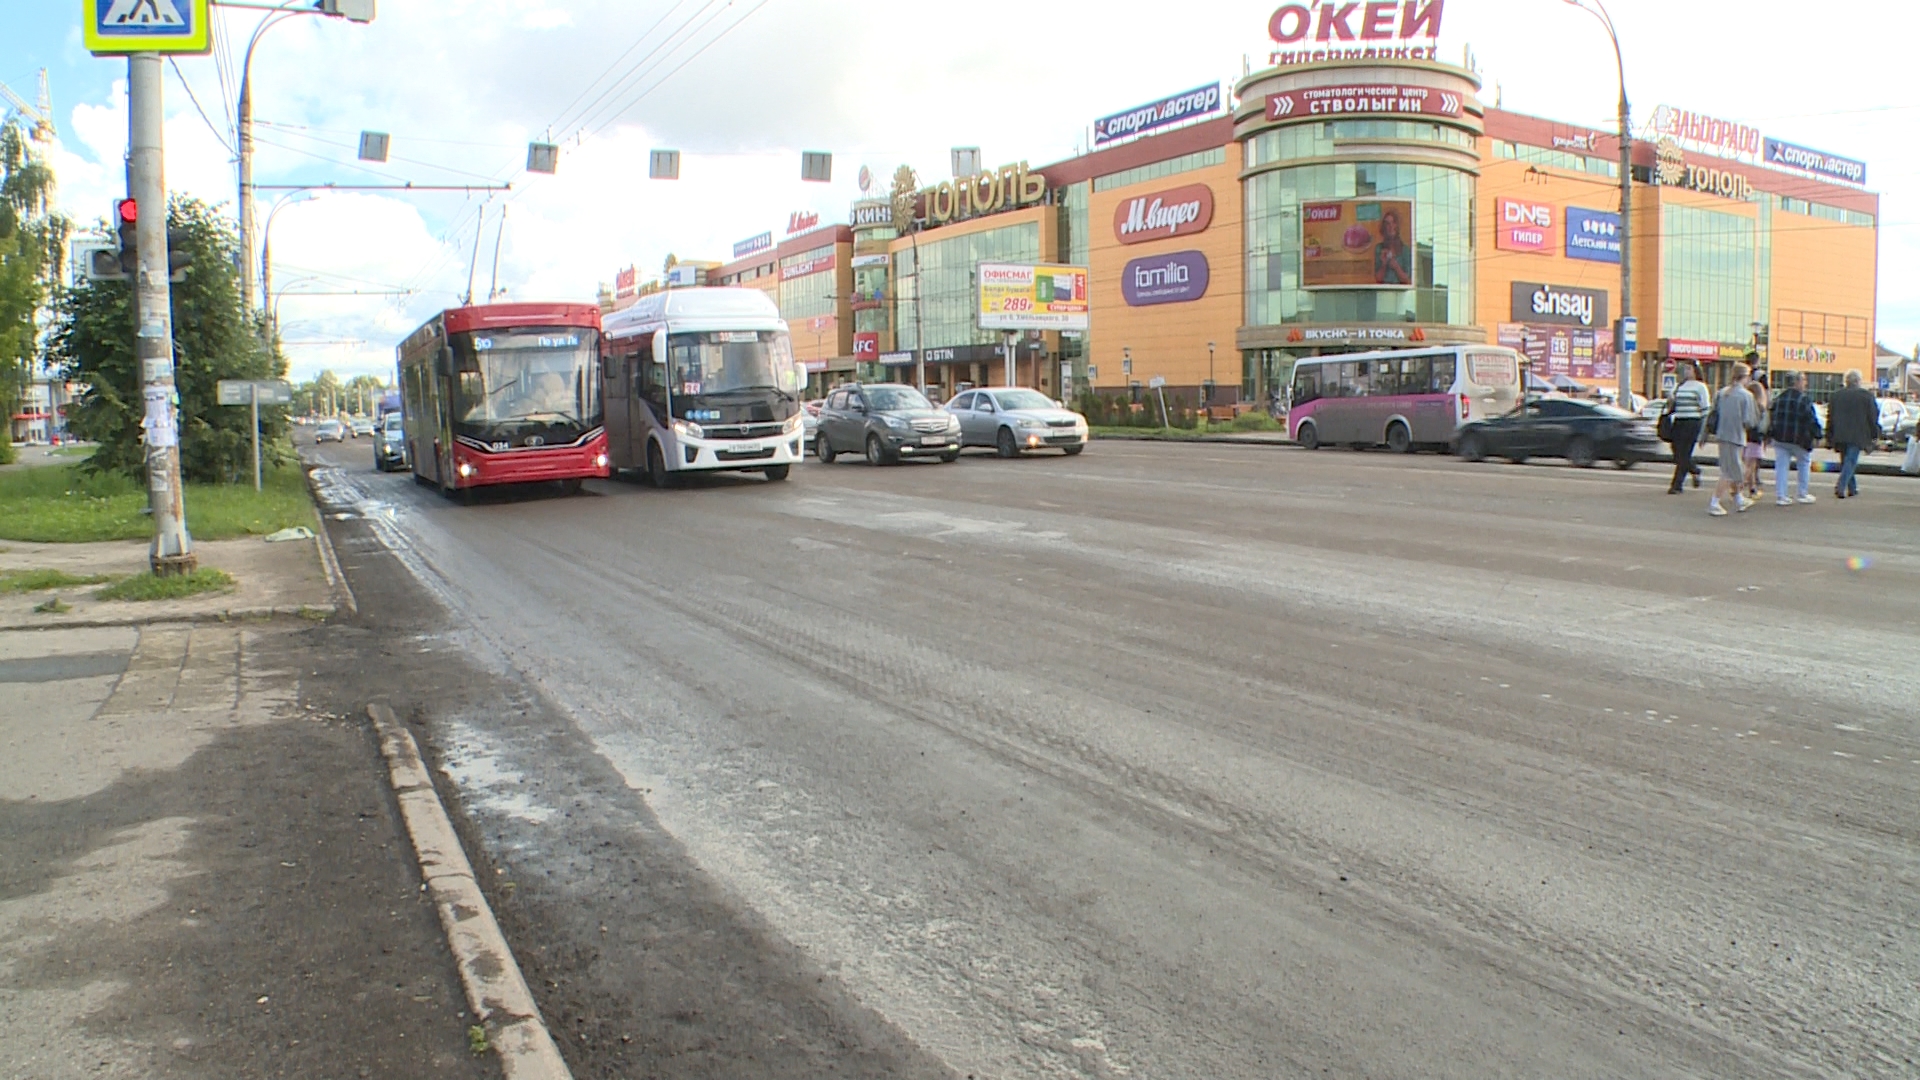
x: 511, y: 383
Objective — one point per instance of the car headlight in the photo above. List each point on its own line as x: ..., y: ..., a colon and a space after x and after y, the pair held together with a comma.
x: 896, y: 422
x: 687, y: 429
x: 953, y: 423
x: 1028, y: 423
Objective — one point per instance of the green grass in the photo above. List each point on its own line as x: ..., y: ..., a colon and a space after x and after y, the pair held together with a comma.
x: 24, y: 581
x: 62, y: 504
x: 143, y: 587
x: 55, y: 606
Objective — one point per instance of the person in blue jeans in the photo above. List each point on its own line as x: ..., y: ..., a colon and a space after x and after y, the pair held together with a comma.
x: 1853, y: 426
x: 1796, y: 431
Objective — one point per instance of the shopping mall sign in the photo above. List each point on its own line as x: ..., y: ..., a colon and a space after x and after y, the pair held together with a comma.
x: 1562, y: 305
x: 1703, y: 132
x: 1179, y: 212
x: 1381, y: 29
x: 1187, y: 105
x: 1375, y: 100
x: 1524, y: 226
x: 1010, y: 187
x: 1593, y: 235
x: 1788, y: 156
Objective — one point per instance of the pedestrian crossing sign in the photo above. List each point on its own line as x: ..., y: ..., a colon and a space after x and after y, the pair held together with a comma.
x: 119, y: 27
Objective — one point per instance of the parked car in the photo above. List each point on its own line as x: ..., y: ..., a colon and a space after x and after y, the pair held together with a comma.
x: 390, y: 452
x: 886, y: 422
x: 1652, y: 409
x: 361, y: 425
x: 1013, y: 420
x: 810, y: 417
x: 329, y: 431
x: 1892, y: 412
x: 1580, y: 431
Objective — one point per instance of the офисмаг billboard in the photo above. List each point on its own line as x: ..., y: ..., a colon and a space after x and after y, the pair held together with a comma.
x: 1020, y: 296
x: 1357, y: 244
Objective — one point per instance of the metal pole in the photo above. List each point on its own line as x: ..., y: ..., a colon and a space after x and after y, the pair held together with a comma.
x: 255, y: 410
x: 1626, y: 248
x: 919, y: 336
x: 172, y: 550
x: 246, y: 178
x: 1011, y: 381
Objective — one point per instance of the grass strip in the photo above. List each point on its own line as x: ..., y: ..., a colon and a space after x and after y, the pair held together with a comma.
x: 65, y: 504
x: 143, y: 587
x: 25, y: 581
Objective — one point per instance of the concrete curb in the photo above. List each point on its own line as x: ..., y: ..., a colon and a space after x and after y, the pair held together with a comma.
x: 496, y: 990
x: 1865, y: 468
x: 328, y: 559
x: 265, y: 614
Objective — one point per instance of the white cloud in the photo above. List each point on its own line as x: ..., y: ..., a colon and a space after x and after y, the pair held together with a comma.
x: 462, y: 85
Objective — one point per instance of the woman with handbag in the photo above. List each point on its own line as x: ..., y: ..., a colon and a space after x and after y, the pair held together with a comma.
x: 1680, y: 425
x: 1756, y: 449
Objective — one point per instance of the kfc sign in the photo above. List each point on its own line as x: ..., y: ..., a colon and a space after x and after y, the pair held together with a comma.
x: 1380, y: 29
x: 866, y: 347
x: 1180, y: 212
x: 1524, y: 226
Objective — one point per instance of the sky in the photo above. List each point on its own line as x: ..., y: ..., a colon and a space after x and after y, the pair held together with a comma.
x: 741, y: 87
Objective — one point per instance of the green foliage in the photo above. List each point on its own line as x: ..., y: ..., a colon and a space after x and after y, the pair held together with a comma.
x: 32, y: 245
x: 75, y: 504
x: 214, y: 338
x: 24, y: 581
x: 1256, y: 421
x: 144, y: 587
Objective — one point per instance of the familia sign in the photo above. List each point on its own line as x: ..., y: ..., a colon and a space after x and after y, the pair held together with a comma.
x: 1203, y: 101
x: 1177, y: 278
x: 1356, y: 31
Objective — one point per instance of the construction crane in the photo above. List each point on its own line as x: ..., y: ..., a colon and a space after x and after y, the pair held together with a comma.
x: 40, y: 116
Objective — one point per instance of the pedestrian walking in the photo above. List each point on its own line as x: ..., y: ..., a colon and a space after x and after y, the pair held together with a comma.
x: 1795, y: 429
x: 1732, y: 422
x: 1853, y: 425
x: 1686, y: 411
x: 1757, y: 443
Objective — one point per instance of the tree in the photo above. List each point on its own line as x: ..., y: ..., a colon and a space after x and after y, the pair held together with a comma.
x: 363, y: 393
x: 319, y: 396
x: 214, y: 338
x: 32, y: 243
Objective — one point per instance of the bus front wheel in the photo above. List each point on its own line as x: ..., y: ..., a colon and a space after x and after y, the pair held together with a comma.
x: 777, y: 472
x: 657, y: 467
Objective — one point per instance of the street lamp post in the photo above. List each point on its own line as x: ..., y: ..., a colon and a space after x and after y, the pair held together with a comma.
x: 361, y: 12
x: 1210, y: 380
x: 266, y: 262
x: 1624, y: 362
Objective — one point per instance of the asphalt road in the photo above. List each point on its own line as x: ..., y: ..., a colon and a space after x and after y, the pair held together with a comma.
x: 1191, y: 761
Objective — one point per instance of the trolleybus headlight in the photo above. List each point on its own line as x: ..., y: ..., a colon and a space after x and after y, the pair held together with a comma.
x: 687, y: 429
x: 600, y: 462
x: 465, y: 469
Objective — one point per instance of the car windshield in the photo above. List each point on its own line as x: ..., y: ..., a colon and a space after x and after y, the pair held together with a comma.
x: 1022, y: 399
x: 528, y: 377
x: 393, y: 424
x: 729, y: 361
x: 896, y: 399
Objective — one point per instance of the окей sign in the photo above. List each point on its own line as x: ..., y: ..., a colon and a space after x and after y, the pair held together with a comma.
x: 1381, y: 28
x: 1362, y: 100
x: 1180, y: 212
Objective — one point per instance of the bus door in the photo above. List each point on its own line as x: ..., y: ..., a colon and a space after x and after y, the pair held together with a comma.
x: 647, y: 376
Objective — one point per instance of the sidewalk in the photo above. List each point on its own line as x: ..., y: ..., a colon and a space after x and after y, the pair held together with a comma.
x: 283, y: 579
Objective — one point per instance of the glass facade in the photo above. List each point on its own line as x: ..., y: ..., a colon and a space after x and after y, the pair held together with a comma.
x: 1442, y: 232
x: 1170, y: 167
x: 1075, y: 243
x: 811, y: 295
x: 1710, y: 274
x: 1555, y: 159
x: 1321, y: 140
x: 934, y: 291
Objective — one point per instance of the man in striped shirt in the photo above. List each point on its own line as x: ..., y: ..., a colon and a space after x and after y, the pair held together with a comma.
x: 1688, y: 408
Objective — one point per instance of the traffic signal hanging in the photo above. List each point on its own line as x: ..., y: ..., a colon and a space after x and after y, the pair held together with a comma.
x: 816, y: 167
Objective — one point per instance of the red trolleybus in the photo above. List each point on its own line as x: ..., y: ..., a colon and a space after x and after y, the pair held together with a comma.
x: 505, y: 394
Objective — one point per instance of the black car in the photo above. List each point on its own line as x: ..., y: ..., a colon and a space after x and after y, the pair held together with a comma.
x: 1580, y: 431
x: 885, y: 422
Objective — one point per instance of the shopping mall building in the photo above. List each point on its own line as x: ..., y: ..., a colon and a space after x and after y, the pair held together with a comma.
x: 1350, y: 205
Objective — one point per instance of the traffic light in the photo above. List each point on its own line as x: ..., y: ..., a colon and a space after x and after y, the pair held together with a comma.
x: 126, y: 213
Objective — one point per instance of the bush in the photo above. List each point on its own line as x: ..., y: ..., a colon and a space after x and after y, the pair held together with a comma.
x: 1255, y: 421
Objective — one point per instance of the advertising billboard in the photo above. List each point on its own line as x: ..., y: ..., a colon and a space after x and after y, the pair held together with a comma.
x: 752, y: 244
x: 1562, y: 352
x: 1175, y: 278
x: 1520, y: 225
x: 1201, y: 101
x: 1027, y: 297
x: 1356, y: 244
x: 1593, y: 235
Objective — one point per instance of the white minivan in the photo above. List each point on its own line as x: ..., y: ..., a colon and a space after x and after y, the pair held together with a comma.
x: 701, y: 380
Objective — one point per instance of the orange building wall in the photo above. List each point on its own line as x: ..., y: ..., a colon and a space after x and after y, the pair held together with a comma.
x: 1499, y: 268
x: 1169, y: 340
x: 1828, y: 267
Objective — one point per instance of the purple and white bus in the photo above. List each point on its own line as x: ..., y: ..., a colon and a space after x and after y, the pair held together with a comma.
x: 1402, y: 399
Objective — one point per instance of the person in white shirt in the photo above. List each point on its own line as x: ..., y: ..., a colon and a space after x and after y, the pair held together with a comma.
x: 1736, y: 420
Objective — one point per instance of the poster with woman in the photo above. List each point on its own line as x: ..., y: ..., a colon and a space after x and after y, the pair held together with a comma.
x: 1357, y: 244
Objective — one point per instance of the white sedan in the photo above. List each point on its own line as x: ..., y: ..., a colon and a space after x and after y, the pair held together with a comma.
x: 1014, y: 419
